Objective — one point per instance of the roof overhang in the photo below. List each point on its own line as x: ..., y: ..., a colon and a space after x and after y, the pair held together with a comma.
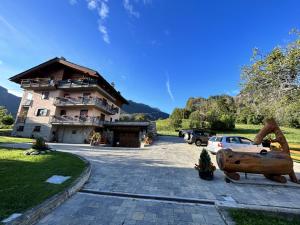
x: 62, y: 61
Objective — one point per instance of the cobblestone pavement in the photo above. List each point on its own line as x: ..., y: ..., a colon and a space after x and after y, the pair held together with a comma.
x: 89, y: 209
x: 164, y: 169
x: 167, y: 169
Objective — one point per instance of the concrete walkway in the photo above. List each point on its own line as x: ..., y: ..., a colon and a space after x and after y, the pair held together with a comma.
x: 165, y: 170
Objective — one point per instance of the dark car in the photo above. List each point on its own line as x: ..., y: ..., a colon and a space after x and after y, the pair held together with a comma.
x: 199, y: 137
x: 183, y: 131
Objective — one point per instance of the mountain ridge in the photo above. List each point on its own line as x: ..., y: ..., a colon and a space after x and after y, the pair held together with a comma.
x: 11, y: 102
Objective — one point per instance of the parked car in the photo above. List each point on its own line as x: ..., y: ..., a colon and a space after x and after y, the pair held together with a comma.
x: 183, y: 131
x: 236, y: 143
x: 199, y: 137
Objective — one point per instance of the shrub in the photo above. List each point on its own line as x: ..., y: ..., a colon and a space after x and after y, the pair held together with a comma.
x: 149, y: 138
x: 7, y: 120
x: 196, y: 119
x: 175, y: 123
x: 40, y: 144
x: 95, y: 138
x: 205, y: 164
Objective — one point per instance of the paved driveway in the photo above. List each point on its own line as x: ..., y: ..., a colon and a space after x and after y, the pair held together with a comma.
x: 166, y: 170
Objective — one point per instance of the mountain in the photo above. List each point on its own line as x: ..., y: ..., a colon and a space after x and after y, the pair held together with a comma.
x: 9, y: 101
x: 134, y: 107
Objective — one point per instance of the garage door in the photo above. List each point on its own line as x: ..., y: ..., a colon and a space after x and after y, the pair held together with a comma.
x: 71, y: 135
x: 129, y: 139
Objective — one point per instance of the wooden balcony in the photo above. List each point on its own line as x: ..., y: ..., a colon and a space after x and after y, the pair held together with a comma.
x: 38, y: 84
x: 86, y: 101
x: 85, y: 84
x: 77, y: 121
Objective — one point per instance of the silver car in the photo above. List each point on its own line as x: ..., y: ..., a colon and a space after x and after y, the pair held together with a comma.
x: 236, y: 143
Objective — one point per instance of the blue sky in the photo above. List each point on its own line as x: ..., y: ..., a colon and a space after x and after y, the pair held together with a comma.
x: 159, y: 52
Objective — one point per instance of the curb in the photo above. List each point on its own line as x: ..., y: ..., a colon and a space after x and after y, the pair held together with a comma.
x: 36, y: 213
x: 150, y: 197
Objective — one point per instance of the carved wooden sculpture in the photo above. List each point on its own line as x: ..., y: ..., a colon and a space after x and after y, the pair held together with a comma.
x: 272, y: 164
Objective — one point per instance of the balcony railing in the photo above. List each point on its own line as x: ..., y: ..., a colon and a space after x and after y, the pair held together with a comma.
x: 77, y: 120
x: 84, y: 83
x: 77, y: 83
x: 27, y: 102
x: 59, y: 101
x: 38, y: 83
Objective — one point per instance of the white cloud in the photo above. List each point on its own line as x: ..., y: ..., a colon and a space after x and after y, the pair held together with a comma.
x: 73, y: 2
x: 129, y: 8
x: 103, y: 11
x: 18, y: 93
x: 92, y: 4
x: 169, y: 89
x: 101, y: 6
x: 104, y: 33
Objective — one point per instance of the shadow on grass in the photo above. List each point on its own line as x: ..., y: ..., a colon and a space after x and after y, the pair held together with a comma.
x: 22, y: 178
x: 243, y: 217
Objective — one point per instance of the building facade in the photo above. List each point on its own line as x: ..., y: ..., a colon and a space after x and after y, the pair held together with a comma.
x: 66, y: 102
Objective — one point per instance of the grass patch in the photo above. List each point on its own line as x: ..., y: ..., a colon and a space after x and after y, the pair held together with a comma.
x: 5, y: 129
x: 243, y: 217
x: 22, y: 178
x: 246, y: 130
x: 7, y: 139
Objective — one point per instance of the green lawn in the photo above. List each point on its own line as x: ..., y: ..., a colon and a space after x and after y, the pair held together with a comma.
x: 246, y: 130
x: 243, y: 217
x: 5, y: 129
x: 22, y: 178
x: 6, y: 139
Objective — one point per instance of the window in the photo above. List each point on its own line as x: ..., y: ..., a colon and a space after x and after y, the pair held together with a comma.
x: 45, y: 95
x: 102, y: 117
x: 29, y: 96
x: 63, y: 112
x: 218, y: 139
x: 245, y: 141
x: 74, y: 132
x: 199, y: 132
x: 42, y: 112
x: 212, y: 139
x: 235, y: 140
x: 110, y: 119
x: 84, y: 113
x: 37, y: 129
x: 20, y: 128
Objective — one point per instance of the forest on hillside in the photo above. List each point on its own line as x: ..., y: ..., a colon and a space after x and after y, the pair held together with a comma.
x: 270, y: 88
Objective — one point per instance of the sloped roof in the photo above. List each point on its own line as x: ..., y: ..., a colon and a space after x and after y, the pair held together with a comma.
x: 89, y: 72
